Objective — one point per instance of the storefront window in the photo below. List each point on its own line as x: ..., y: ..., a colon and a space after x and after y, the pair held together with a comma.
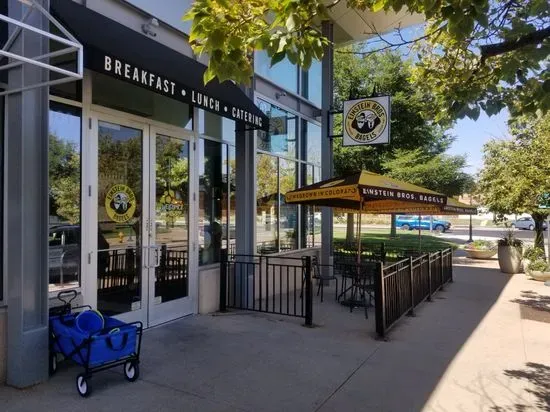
x: 211, y: 204
x: 284, y: 74
x: 288, y: 217
x: 281, y: 138
x: 126, y: 97
x: 64, y: 196
x: 312, y: 135
x: 212, y: 125
x: 267, y: 234
x: 312, y: 83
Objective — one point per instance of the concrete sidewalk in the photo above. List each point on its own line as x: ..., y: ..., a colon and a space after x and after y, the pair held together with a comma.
x: 481, y: 345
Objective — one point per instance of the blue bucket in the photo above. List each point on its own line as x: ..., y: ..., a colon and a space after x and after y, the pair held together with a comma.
x: 89, y: 321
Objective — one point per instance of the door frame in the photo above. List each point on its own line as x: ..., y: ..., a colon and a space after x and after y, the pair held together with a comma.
x: 164, y: 312
x: 92, y: 114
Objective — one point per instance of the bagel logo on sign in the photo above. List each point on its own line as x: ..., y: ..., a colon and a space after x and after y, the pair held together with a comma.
x: 366, y: 121
x: 120, y: 203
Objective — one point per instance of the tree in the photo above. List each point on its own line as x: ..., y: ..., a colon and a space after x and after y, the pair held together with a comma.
x: 414, y: 138
x: 516, y: 173
x: 478, y: 55
x: 442, y: 173
x: 64, y: 179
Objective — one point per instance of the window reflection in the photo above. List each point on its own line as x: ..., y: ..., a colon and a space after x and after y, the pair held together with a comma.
x: 288, y: 213
x: 64, y: 196
x: 267, y: 204
x: 283, y: 74
x: 212, y: 125
x: 281, y: 138
x: 312, y: 83
x: 313, y: 143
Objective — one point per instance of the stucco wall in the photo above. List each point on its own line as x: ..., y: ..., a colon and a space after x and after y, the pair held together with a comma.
x: 3, y: 349
x: 209, y: 289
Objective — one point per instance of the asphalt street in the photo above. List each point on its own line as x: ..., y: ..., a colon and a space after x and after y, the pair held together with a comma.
x: 494, y: 232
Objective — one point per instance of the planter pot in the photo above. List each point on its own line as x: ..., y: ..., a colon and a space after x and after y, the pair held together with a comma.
x: 509, y: 259
x: 541, y: 276
x: 480, y: 254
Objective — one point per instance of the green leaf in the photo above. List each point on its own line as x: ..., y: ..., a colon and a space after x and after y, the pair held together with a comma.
x: 282, y: 44
x: 292, y: 56
x: 378, y: 5
x: 217, y: 38
x: 276, y: 58
x: 291, y: 22
x: 208, y: 75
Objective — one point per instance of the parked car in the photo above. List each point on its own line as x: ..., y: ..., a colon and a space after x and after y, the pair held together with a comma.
x: 411, y: 222
x: 64, y: 253
x: 525, y: 223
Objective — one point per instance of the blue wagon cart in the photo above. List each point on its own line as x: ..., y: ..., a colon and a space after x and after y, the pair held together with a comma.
x: 113, y: 343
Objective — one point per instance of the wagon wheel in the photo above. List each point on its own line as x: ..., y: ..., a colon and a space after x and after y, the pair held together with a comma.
x: 53, y: 364
x: 83, y: 385
x: 131, y: 370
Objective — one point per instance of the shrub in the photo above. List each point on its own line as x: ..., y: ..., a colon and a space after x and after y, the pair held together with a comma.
x: 538, y: 266
x: 509, y: 239
x: 534, y: 253
x: 481, y: 245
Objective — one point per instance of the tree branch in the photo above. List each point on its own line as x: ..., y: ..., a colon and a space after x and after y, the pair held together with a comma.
x: 390, y: 45
x: 535, y: 37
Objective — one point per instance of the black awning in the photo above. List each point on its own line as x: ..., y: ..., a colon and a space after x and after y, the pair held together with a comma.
x: 118, y: 51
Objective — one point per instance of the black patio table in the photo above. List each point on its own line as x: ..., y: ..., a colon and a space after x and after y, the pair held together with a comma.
x: 362, y: 284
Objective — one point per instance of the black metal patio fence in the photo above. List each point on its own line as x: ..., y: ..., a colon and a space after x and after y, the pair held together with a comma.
x: 400, y: 287
x: 269, y: 284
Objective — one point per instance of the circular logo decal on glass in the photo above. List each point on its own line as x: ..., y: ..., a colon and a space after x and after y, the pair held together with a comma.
x: 120, y: 203
x: 170, y: 202
x: 365, y: 121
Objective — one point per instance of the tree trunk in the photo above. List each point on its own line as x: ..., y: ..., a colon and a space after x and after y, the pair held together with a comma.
x: 539, y: 229
x: 350, y: 231
x: 393, y: 230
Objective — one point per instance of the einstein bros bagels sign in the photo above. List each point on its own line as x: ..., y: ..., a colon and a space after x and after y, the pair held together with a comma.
x: 367, y: 121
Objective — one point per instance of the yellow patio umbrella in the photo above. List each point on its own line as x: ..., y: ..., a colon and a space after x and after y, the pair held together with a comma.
x: 367, y: 192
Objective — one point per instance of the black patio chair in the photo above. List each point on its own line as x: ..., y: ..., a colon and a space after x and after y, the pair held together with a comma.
x: 361, y: 278
x: 316, y: 274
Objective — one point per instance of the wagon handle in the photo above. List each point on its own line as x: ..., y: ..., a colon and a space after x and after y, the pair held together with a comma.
x: 67, y: 294
x: 122, y: 345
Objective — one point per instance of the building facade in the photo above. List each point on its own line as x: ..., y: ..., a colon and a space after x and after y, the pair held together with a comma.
x: 140, y: 177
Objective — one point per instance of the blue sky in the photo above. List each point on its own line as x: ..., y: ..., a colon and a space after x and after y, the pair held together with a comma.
x: 471, y: 135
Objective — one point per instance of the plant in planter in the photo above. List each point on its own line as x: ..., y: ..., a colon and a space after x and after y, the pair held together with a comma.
x: 480, y: 249
x: 510, y: 253
x: 532, y: 254
x: 539, y: 270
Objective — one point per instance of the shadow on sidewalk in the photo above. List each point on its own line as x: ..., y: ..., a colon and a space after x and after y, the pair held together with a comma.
x: 534, y: 306
x: 538, y: 376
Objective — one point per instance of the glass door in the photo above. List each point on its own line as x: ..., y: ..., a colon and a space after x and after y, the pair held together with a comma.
x: 122, y: 213
x: 169, y: 228
x: 143, y: 210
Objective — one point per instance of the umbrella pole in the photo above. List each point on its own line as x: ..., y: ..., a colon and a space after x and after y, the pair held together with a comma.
x: 359, y: 232
x: 419, y: 233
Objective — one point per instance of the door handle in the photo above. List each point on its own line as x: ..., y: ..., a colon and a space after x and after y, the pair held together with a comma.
x: 158, y: 254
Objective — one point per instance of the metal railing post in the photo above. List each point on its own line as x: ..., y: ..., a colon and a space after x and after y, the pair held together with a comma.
x: 411, y: 276
x: 223, y: 284
x: 309, y: 293
x: 441, y: 269
x: 450, y: 257
x: 429, y: 277
x: 379, y: 301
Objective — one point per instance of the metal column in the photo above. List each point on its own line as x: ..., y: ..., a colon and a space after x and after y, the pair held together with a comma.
x: 326, y: 145
x: 26, y: 210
